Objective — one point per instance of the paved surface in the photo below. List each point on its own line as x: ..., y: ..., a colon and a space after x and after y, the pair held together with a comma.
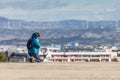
x: 60, y: 71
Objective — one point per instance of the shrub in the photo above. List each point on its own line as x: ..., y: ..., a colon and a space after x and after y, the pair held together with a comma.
x: 3, y: 57
x: 94, y: 60
x: 114, y: 59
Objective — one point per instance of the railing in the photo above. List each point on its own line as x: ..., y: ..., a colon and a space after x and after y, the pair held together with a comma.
x: 79, y: 58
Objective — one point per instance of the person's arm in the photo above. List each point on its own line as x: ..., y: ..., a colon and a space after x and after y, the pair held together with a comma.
x: 37, y: 43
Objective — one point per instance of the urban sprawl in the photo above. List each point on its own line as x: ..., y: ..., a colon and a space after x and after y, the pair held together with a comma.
x: 72, y: 52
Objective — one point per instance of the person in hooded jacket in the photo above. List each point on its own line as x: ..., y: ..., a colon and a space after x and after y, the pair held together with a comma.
x: 34, y: 50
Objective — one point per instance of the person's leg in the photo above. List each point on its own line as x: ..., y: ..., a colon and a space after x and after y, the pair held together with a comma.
x: 37, y: 57
x: 31, y: 59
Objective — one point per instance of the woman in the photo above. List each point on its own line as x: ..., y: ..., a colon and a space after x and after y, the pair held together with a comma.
x: 35, y: 45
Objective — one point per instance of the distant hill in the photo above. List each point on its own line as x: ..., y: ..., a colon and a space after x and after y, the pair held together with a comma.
x: 17, y: 32
x: 81, y: 24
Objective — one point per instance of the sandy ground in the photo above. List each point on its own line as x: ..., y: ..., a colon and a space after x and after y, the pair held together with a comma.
x: 60, y: 71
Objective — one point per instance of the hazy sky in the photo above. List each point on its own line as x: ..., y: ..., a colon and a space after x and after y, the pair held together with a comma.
x: 52, y: 10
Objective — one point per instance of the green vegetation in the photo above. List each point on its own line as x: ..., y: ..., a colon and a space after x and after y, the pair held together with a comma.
x: 114, y: 60
x: 3, y: 57
x: 14, y: 60
x: 94, y: 60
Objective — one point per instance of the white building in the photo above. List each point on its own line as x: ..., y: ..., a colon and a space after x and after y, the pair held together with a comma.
x: 55, y: 55
x: 81, y: 56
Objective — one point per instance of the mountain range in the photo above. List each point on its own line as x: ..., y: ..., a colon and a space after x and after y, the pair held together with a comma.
x: 17, y: 32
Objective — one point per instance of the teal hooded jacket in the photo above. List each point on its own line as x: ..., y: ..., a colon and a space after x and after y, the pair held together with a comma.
x: 35, y: 44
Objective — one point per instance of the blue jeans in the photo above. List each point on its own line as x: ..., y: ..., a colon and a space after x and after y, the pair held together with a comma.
x: 36, y: 56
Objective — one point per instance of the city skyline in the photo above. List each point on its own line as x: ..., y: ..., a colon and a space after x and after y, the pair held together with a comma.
x: 55, y: 10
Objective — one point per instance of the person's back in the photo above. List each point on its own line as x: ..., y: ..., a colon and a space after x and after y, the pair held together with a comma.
x: 35, y: 45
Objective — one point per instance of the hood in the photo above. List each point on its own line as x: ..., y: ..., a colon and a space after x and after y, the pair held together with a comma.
x: 34, y: 36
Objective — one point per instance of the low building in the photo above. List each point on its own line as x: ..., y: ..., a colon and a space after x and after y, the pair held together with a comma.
x: 19, y: 55
x: 81, y: 56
